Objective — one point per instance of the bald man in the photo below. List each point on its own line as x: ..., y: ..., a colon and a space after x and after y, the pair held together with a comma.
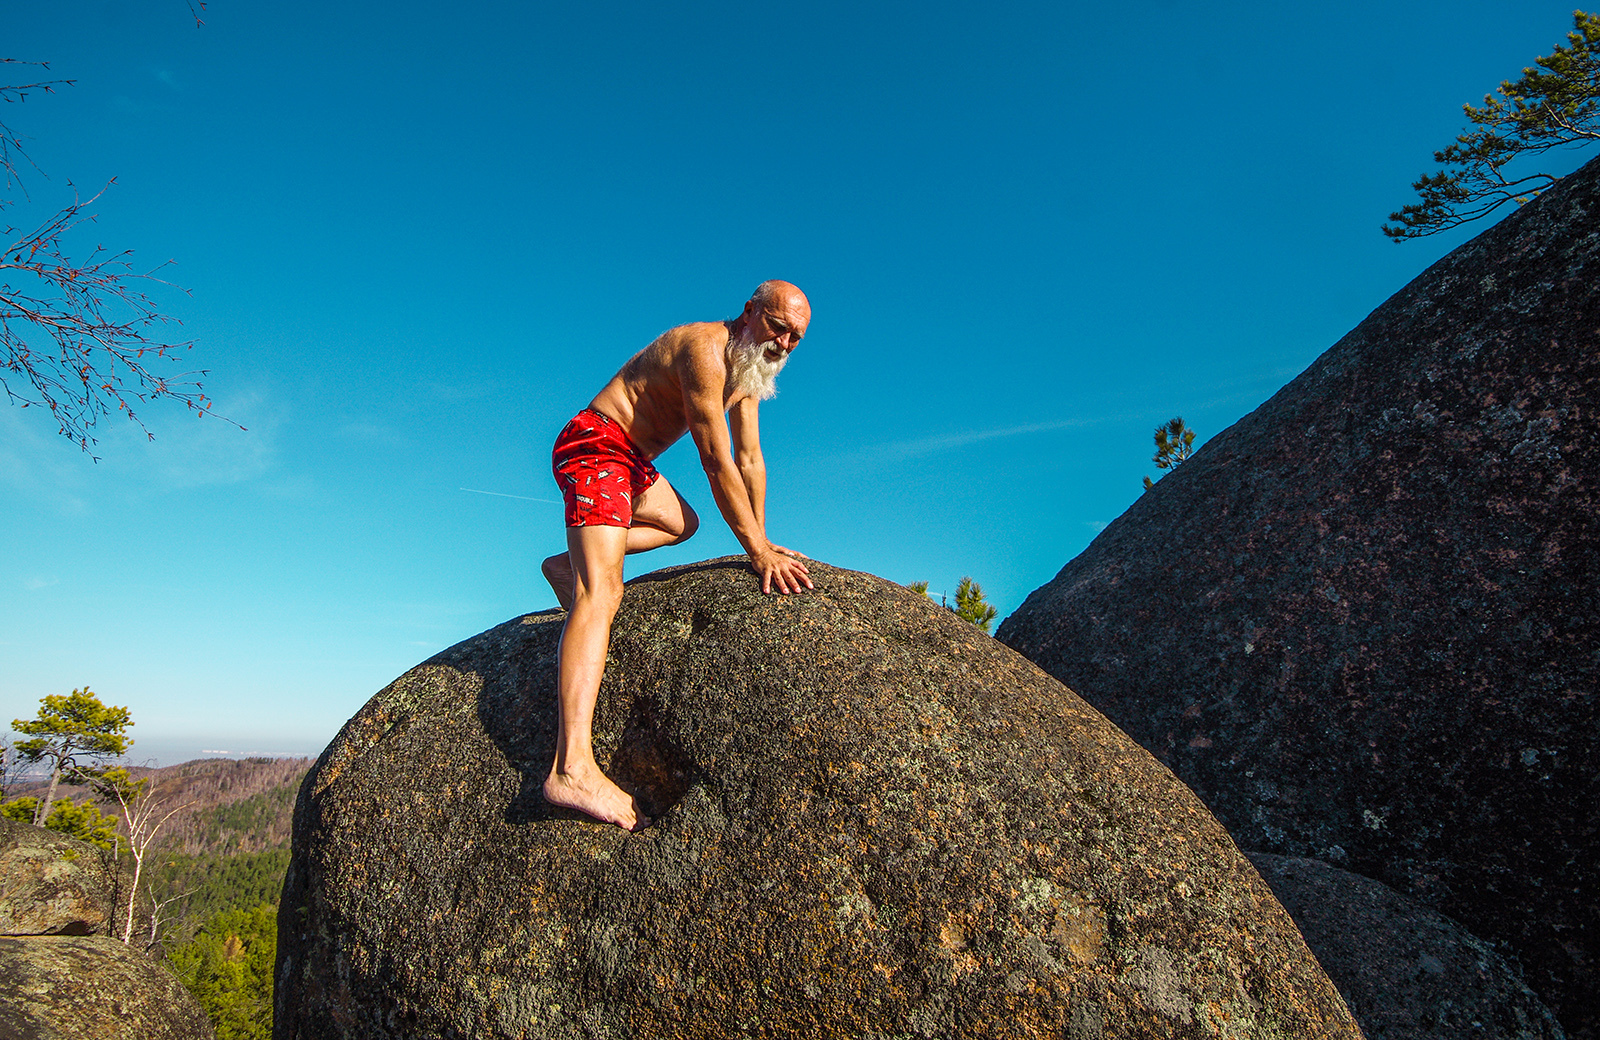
x: 707, y: 379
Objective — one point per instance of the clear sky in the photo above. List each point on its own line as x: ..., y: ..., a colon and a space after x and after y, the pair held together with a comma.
x: 418, y: 237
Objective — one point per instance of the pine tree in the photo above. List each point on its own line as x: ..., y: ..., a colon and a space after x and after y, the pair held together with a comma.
x: 76, y: 735
x: 1554, y: 104
x: 970, y: 605
x: 1174, y: 445
x: 82, y: 820
x: 228, y: 967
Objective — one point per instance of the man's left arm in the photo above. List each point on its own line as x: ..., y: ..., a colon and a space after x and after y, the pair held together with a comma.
x: 744, y: 429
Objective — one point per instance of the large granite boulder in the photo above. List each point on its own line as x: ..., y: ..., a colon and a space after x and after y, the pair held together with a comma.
x: 873, y: 820
x: 51, y: 884
x: 1362, y: 622
x: 67, y: 987
x: 1407, y: 972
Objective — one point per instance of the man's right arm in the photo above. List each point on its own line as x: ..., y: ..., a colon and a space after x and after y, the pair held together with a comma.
x: 702, y: 375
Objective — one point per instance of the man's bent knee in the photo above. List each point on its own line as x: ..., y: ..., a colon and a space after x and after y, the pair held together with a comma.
x: 691, y: 524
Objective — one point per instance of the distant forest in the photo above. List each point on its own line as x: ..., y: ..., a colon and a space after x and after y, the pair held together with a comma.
x: 229, y: 805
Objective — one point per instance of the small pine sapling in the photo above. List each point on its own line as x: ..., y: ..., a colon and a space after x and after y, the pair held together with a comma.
x: 1174, y: 445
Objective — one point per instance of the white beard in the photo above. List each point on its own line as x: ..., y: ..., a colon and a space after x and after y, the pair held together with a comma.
x: 750, y: 374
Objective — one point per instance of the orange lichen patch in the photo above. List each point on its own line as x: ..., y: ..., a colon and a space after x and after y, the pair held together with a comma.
x: 1081, y: 929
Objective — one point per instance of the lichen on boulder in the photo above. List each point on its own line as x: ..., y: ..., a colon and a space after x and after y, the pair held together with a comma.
x: 872, y: 820
x: 51, y: 884
x: 89, y: 987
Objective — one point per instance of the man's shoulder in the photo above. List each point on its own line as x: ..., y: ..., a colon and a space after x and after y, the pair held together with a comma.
x: 700, y: 342
x: 697, y: 333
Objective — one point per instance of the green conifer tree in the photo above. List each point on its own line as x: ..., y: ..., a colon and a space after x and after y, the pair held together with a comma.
x: 1556, y: 103
x: 76, y: 735
x: 228, y: 967
x: 1174, y: 445
x: 970, y: 605
x: 82, y: 820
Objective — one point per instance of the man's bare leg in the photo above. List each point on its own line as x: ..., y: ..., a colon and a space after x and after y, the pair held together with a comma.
x: 660, y: 517
x: 576, y: 780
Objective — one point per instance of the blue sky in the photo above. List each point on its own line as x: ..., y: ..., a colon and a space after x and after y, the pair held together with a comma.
x: 417, y: 239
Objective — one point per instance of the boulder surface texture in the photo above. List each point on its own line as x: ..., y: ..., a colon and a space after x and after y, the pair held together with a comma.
x: 68, y: 987
x: 872, y: 820
x: 61, y: 977
x: 51, y: 884
x: 1362, y: 622
x: 1407, y: 972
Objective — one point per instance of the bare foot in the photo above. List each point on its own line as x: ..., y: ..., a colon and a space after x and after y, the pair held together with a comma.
x: 596, y: 796
x: 558, y: 572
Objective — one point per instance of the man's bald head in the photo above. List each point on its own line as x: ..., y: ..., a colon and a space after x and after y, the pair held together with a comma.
x: 760, y: 341
x: 778, y: 293
x: 778, y: 309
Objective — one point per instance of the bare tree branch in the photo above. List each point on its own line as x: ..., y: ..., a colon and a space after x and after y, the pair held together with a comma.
x: 12, y: 150
x: 158, y: 916
x: 80, y: 338
x: 137, y: 800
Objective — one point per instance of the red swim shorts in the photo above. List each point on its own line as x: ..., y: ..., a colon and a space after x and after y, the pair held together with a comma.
x: 599, y: 471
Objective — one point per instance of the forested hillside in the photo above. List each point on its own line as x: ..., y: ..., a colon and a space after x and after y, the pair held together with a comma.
x: 223, y: 805
x: 221, y: 869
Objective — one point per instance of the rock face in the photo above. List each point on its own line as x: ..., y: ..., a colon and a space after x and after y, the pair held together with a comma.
x: 89, y: 987
x: 1362, y: 622
x: 61, y: 977
x: 873, y: 820
x: 53, y: 885
x: 1407, y: 972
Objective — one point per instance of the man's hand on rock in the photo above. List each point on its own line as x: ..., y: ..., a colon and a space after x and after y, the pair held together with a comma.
x: 774, y: 568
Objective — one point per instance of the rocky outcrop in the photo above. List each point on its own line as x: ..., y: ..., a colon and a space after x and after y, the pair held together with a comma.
x: 1407, y: 972
x: 61, y: 976
x: 63, y: 987
x: 54, y: 885
x: 873, y: 820
x: 1361, y: 623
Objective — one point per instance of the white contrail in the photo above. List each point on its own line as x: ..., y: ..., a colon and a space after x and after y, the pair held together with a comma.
x: 929, y: 445
x: 502, y: 494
